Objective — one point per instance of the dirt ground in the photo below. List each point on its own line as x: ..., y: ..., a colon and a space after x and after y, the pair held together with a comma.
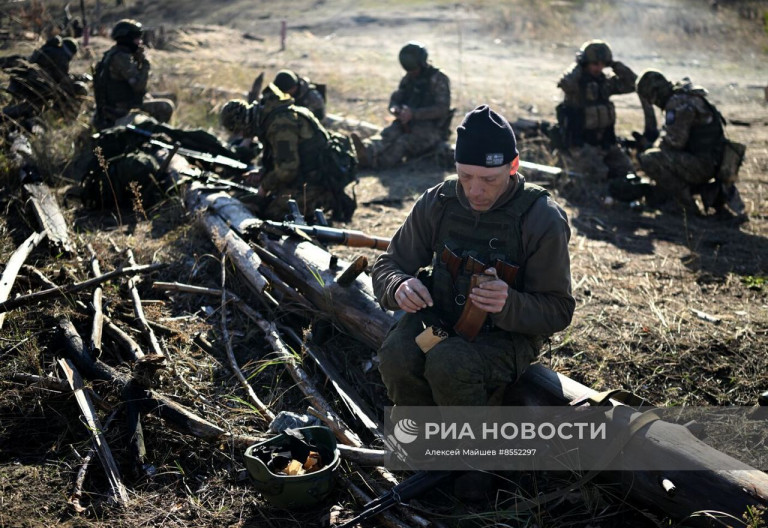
x: 641, y: 277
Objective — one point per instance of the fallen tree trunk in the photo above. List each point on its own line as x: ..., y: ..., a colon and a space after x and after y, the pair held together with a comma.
x: 305, y: 267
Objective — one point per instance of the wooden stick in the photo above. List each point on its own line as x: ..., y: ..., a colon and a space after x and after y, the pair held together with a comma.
x: 72, y: 288
x: 98, y: 315
x: 705, y: 316
x: 14, y: 265
x: 117, y: 488
x: 77, y: 489
x: 124, y: 340
x: 138, y: 311
x: 45, y: 281
x: 177, y: 416
x: 263, y: 409
x: 348, y: 276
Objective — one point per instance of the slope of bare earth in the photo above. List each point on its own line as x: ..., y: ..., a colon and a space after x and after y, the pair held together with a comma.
x: 640, y: 277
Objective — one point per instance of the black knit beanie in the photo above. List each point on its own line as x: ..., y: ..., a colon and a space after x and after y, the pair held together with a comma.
x: 485, y: 138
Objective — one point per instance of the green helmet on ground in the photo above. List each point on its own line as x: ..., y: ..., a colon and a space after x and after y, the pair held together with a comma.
x: 294, y: 491
x: 654, y: 87
x: 595, y: 51
x: 413, y: 55
x: 234, y: 115
x: 127, y: 28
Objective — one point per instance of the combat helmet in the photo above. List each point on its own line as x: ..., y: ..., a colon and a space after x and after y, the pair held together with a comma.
x: 595, y: 51
x: 413, y: 55
x: 285, y: 80
x: 654, y: 87
x: 267, y: 460
x: 234, y: 114
x: 127, y: 28
x: 70, y: 45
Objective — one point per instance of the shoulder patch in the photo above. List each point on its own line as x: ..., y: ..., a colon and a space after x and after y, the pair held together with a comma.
x: 670, y: 117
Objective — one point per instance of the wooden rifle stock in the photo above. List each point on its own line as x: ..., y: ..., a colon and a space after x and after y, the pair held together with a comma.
x: 360, y: 239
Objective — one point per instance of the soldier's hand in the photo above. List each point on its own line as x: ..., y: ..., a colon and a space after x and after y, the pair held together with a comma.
x: 490, y: 296
x: 412, y: 296
x: 405, y: 115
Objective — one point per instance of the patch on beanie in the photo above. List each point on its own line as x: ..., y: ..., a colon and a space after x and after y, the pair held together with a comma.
x: 494, y: 160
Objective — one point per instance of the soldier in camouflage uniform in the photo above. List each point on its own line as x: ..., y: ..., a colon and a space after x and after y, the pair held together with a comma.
x: 304, y: 92
x: 490, y: 212
x: 688, y: 155
x: 120, y: 80
x: 301, y: 159
x: 44, y: 81
x: 587, y: 118
x: 421, y: 106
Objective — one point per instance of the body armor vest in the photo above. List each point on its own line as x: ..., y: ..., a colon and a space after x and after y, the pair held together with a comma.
x: 114, y: 97
x: 598, y: 115
x: 486, y: 237
x: 418, y: 90
x: 707, y: 139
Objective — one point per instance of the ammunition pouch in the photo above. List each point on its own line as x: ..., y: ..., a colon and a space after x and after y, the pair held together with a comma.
x: 473, y: 319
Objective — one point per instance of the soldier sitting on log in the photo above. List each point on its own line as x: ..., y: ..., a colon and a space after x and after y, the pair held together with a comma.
x: 499, y: 283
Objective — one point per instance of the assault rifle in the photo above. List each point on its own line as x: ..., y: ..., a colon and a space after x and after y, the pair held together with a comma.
x: 213, y: 180
x: 218, y: 159
x: 330, y: 235
x: 410, y: 488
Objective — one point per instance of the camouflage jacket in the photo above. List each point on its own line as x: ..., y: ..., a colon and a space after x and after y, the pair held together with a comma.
x: 575, y: 84
x: 691, y: 123
x: 543, y: 306
x: 123, y: 84
x: 293, y: 143
x: 310, y: 97
x: 428, y: 95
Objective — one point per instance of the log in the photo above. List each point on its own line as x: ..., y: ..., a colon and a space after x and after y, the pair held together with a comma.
x: 225, y: 239
x: 72, y: 288
x: 304, y: 267
x: 117, y: 489
x: 49, y: 217
x: 14, y: 265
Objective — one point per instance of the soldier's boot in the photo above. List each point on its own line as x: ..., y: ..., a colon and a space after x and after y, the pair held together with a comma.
x: 686, y: 201
x: 363, y: 160
x: 713, y: 196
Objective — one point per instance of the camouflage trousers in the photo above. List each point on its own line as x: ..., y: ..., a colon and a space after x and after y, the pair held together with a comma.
x: 159, y: 109
x: 453, y: 372
x: 676, y: 171
x: 395, y: 142
x: 597, y: 163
